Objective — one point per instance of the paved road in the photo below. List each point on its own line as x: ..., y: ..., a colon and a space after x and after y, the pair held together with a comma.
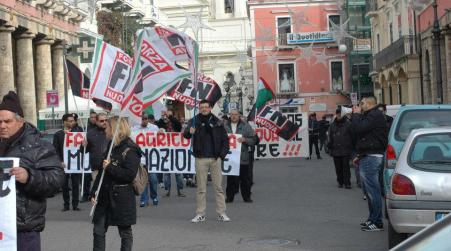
x: 297, y: 206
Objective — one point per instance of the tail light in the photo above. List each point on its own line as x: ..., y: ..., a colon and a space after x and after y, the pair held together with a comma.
x: 390, y: 157
x: 401, y: 185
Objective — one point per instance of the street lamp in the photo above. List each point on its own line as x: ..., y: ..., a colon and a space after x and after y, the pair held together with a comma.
x: 436, y: 43
x: 228, y: 84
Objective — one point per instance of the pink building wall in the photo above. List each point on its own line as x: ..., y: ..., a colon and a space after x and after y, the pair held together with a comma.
x: 313, y: 80
x: 426, y: 18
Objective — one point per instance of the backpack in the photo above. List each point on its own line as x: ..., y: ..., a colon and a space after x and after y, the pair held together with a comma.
x: 141, y: 179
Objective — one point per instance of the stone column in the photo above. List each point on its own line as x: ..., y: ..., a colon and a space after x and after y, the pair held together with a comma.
x: 448, y: 66
x: 25, y: 76
x: 6, y: 60
x: 58, y: 69
x: 43, y: 60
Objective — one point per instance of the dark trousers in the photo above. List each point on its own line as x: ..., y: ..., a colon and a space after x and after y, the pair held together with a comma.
x: 243, y: 182
x: 313, y: 139
x: 28, y: 241
x: 343, y: 170
x: 160, y: 177
x: 87, y: 185
x: 75, y: 180
x: 322, y: 143
x: 100, y: 229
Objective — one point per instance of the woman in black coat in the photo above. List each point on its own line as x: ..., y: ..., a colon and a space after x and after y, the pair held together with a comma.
x: 116, y: 202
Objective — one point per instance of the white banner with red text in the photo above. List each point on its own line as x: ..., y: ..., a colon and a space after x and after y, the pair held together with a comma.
x: 272, y: 146
x: 171, y: 153
x: 8, y: 231
x: 74, y: 160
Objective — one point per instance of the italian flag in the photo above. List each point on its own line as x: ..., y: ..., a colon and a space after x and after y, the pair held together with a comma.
x: 264, y: 93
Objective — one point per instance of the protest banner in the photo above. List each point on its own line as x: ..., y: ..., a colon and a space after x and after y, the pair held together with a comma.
x: 74, y: 159
x: 171, y: 153
x: 273, y: 146
x: 8, y: 225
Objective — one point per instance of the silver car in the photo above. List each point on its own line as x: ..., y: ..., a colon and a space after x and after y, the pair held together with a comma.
x: 420, y: 191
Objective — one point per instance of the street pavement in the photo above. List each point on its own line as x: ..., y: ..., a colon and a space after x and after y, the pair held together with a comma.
x: 297, y: 206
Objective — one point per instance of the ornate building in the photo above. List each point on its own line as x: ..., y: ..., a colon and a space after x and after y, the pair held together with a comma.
x: 33, y: 34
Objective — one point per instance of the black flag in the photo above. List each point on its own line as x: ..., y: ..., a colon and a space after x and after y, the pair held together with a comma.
x: 80, y: 83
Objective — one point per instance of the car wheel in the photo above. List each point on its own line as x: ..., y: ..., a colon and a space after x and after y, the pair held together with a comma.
x: 394, y: 238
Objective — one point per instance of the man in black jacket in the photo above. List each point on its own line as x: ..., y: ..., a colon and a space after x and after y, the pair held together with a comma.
x: 210, y: 147
x: 370, y: 127
x: 323, y: 128
x: 39, y: 176
x: 96, y: 144
x: 313, y: 133
x: 340, y: 146
x: 58, y: 143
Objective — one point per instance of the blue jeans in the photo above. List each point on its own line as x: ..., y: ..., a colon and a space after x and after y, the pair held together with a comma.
x: 167, y: 181
x: 369, y: 172
x: 152, y: 188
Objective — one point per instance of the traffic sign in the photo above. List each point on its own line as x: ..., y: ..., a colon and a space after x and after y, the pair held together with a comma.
x: 52, y: 98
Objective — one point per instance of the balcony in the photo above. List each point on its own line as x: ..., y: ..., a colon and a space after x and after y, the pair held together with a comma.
x: 282, y: 42
x: 371, y: 8
x: 403, y: 47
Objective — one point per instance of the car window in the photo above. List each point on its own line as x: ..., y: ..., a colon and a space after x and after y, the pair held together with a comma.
x: 431, y: 152
x: 416, y: 119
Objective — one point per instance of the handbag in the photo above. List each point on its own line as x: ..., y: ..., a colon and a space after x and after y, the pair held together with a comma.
x: 140, y: 182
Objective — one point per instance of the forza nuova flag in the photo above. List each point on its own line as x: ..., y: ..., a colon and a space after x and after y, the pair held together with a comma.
x: 206, y: 89
x: 111, y: 72
x: 155, y: 71
x: 80, y: 83
x: 276, y: 122
x: 264, y: 94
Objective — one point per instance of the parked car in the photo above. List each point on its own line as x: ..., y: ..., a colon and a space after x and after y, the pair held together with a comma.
x: 411, y: 117
x: 392, y: 110
x: 420, y: 191
x: 433, y: 238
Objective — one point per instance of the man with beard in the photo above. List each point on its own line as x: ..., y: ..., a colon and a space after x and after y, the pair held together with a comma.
x: 210, y: 147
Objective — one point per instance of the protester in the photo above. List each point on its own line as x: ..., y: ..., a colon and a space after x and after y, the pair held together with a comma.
x: 96, y: 144
x: 171, y: 124
x: 323, y: 128
x: 313, y: 128
x: 116, y: 202
x: 92, y: 122
x: 40, y: 175
x: 187, y: 177
x: 73, y: 178
x: 152, y: 186
x: 76, y: 127
x: 92, y: 125
x: 388, y: 119
x: 371, y: 141
x: 340, y: 147
x: 243, y: 181
x: 210, y: 146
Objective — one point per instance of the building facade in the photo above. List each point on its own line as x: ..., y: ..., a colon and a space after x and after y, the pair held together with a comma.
x: 294, y: 52
x: 33, y: 35
x: 359, y: 47
x: 224, y: 50
x: 425, y: 22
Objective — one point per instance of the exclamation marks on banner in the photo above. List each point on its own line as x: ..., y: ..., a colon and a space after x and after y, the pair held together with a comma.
x: 292, y: 150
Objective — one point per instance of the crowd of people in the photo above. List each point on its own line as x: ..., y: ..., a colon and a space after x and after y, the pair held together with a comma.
x: 359, y: 138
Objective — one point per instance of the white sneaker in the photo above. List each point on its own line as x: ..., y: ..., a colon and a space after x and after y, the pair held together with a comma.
x: 161, y: 185
x: 198, y: 218
x: 223, y: 218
